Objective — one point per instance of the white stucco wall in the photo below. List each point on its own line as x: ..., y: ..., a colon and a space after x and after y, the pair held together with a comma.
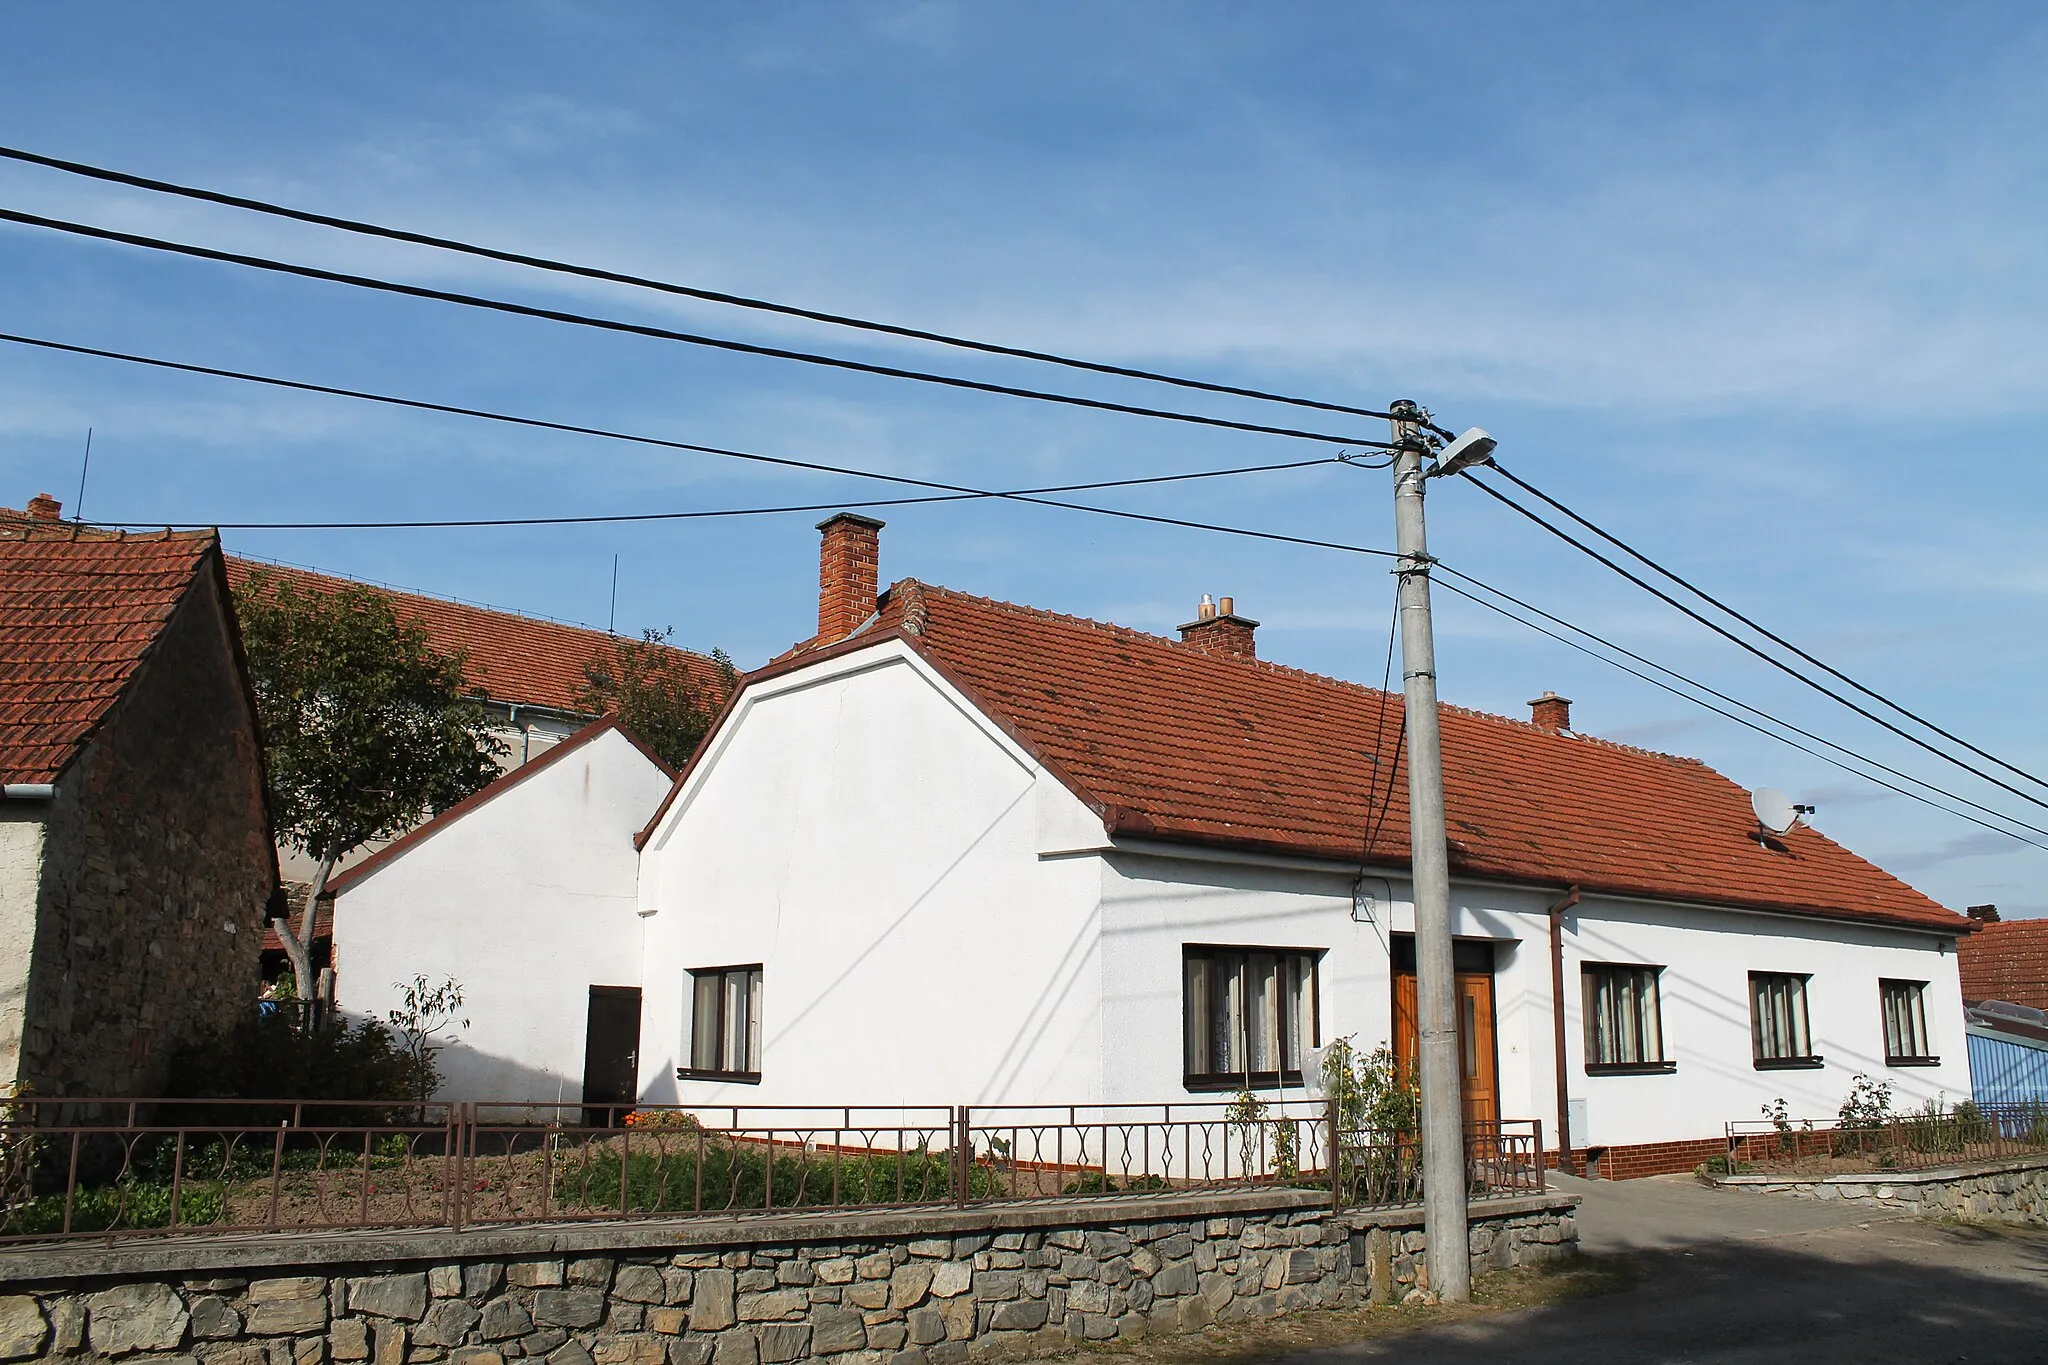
x: 528, y: 900
x: 874, y: 843
x: 21, y: 880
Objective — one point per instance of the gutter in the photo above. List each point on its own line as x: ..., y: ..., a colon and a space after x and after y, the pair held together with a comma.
x: 29, y: 791
x: 1564, y: 1113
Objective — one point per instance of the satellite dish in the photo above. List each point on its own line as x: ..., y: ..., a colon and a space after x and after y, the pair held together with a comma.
x: 1774, y: 810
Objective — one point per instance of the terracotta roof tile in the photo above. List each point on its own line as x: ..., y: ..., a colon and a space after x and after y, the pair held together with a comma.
x: 2008, y: 961
x: 515, y: 659
x: 79, y: 610
x: 1175, y: 743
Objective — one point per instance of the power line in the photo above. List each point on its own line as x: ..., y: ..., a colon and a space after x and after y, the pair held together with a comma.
x: 616, y: 517
x: 1768, y: 634
x: 665, y: 333
x: 1741, y: 643
x: 1770, y: 734
x: 663, y: 286
x: 483, y: 414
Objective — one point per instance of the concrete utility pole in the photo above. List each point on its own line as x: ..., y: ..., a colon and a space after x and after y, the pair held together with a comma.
x: 1443, y: 1110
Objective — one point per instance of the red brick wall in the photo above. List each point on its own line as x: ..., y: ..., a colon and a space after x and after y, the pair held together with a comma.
x: 849, y: 571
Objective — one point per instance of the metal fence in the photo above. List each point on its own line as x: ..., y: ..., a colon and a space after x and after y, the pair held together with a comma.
x: 1898, y: 1142
x: 83, y: 1168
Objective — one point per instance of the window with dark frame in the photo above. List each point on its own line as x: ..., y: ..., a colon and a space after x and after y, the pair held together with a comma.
x: 1624, y: 1020
x: 1905, y: 1024
x: 1780, y: 1039
x: 725, y: 1024
x: 1249, y: 1015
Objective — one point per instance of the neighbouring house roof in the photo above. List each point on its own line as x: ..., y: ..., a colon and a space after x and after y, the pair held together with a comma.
x: 515, y: 659
x: 80, y: 610
x: 419, y: 833
x: 2006, y: 960
x: 1173, y: 743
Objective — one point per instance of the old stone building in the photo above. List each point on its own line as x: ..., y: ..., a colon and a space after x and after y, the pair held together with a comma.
x: 135, y: 848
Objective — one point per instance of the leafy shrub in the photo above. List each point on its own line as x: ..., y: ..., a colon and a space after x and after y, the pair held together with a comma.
x: 266, y: 1057
x: 732, y: 1175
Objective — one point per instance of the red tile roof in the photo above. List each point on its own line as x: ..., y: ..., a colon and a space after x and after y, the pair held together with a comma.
x: 79, y: 611
x: 1169, y: 742
x: 515, y: 659
x: 2007, y: 960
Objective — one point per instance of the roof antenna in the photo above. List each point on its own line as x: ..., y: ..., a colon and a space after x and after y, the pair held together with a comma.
x: 78, y: 503
x: 612, y: 620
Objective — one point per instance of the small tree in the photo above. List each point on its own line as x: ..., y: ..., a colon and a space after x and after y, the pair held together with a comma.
x: 424, y: 1012
x: 366, y: 727
x: 648, y: 685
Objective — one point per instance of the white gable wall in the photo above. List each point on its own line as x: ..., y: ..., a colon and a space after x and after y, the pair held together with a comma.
x: 527, y: 899
x: 873, y: 842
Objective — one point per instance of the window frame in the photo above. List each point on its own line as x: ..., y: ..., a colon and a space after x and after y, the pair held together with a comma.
x: 1277, y: 1079
x: 722, y: 1044
x: 1802, y: 1027
x: 1664, y: 1064
x: 1925, y: 1057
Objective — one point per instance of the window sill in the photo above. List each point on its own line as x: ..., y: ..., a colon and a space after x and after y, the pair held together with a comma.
x: 684, y: 1073
x: 1912, y: 1061
x: 1230, y: 1085
x: 1790, y: 1063
x: 1631, y: 1068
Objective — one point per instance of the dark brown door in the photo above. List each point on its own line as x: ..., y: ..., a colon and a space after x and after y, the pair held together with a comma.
x: 611, y: 1055
x: 1478, y: 1064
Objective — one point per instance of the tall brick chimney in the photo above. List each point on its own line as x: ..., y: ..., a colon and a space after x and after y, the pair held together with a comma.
x: 849, y: 572
x: 1218, y: 629
x: 43, y: 507
x: 1551, y: 712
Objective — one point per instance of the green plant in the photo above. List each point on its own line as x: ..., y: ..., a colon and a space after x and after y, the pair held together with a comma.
x: 424, y: 1012
x: 1378, y: 1110
x: 648, y: 685
x: 1246, y: 1117
x: 265, y: 1057
x: 1868, y: 1104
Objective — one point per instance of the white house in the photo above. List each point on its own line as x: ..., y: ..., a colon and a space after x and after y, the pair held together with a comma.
x: 953, y: 850
x: 524, y: 894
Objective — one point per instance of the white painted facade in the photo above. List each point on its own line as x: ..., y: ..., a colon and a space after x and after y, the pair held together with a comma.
x: 525, y: 897
x: 21, y: 888
x: 938, y: 920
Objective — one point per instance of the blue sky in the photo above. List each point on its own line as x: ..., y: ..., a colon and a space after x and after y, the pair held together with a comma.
x: 1760, y: 287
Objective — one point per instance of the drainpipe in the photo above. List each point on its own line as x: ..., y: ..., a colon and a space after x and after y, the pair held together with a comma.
x: 1564, y: 1115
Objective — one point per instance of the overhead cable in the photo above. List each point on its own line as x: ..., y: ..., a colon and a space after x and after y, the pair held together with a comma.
x: 709, y: 514
x: 666, y: 333
x: 1764, y: 631
x: 1749, y: 724
x: 1745, y: 645
x: 664, y: 286
x: 422, y: 405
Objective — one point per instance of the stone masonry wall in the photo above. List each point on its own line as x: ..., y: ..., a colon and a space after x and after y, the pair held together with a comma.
x: 909, y: 1291
x: 157, y: 866
x: 2014, y: 1191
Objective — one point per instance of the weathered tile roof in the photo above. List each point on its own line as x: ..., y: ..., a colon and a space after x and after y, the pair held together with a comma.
x: 515, y: 659
x: 1173, y: 743
x: 2008, y: 961
x: 79, y: 611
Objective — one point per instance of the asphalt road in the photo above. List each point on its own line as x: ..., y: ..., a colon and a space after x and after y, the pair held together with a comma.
x: 1750, y: 1278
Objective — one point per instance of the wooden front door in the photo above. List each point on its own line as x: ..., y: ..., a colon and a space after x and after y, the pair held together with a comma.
x: 1478, y: 1064
x: 611, y: 1055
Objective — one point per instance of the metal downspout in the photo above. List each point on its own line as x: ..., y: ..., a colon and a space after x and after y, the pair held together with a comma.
x: 1564, y: 1118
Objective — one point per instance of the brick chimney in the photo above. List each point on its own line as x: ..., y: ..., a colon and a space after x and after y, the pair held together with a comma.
x: 43, y: 507
x: 1551, y: 712
x: 849, y: 572
x: 1218, y: 629
x: 1983, y: 914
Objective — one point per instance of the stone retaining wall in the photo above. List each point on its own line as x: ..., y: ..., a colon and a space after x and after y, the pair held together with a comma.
x: 923, y: 1288
x: 2011, y: 1191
